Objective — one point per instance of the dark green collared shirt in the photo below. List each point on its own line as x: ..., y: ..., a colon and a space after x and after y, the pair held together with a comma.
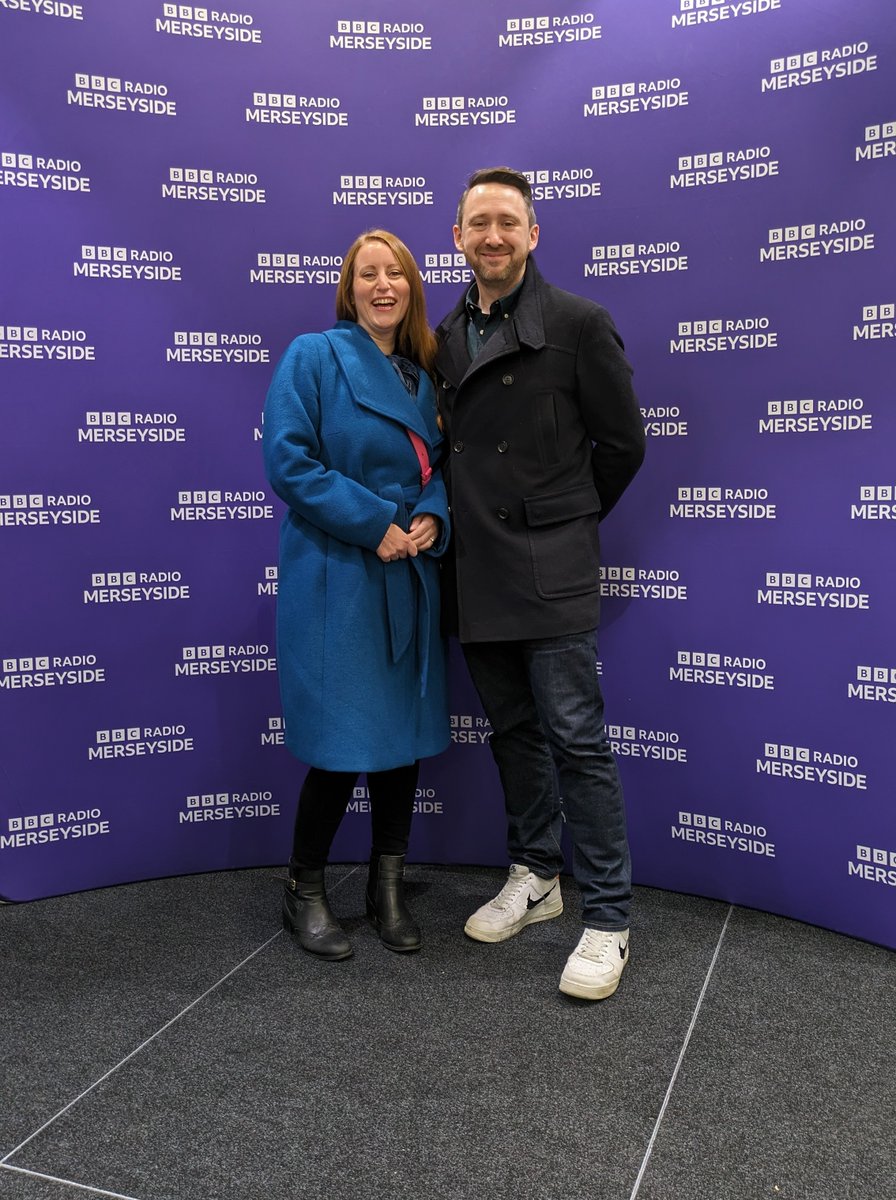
x: 480, y: 325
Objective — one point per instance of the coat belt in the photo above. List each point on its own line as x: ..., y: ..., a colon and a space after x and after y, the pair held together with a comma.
x: 407, y: 600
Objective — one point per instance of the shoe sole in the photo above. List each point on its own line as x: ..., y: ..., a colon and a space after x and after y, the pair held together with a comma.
x: 401, y: 949
x: 588, y: 990
x: 340, y: 956
x: 501, y: 935
x: 585, y: 991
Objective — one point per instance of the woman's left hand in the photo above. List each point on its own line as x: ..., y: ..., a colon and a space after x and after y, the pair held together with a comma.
x: 424, y: 531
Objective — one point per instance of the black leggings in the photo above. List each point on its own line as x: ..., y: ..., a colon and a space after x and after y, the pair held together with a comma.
x: 322, y: 804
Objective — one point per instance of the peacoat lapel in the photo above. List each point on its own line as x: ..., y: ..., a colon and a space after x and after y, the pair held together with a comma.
x: 525, y: 328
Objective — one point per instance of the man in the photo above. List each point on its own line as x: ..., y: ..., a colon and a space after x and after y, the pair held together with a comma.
x: 544, y: 434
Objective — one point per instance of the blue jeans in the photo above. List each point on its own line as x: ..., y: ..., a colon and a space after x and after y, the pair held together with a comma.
x: 542, y: 698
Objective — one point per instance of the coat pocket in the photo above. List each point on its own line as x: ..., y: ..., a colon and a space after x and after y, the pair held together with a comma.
x: 564, y: 541
x: 546, y: 428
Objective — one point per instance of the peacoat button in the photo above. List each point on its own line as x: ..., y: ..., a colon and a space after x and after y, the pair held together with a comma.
x: 503, y: 514
x: 445, y: 384
x: 457, y: 447
x: 502, y: 447
x: 507, y: 379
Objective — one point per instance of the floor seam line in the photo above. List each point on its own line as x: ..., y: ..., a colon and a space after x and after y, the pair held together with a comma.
x: 84, y: 1187
x: 684, y: 1046
x: 4, y: 1161
x: 331, y: 887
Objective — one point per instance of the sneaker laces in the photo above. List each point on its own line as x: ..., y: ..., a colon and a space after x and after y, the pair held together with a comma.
x: 510, y: 891
x: 595, y: 944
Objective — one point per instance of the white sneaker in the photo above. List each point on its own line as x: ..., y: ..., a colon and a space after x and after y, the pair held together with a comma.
x: 594, y: 968
x: 524, y: 899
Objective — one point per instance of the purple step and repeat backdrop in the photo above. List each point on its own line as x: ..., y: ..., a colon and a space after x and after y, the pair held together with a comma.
x: 178, y: 184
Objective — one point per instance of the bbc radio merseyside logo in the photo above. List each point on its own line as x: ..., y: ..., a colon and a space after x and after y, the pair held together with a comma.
x: 724, y: 166
x: 380, y: 35
x: 718, y: 503
x: 155, y: 429
x: 42, y: 829
x: 48, y: 8
x: 707, y: 12
x: 802, y: 590
x: 213, y: 346
x: 36, y: 508
x: 445, y: 268
x: 469, y: 730
x: 287, y: 108
x: 722, y: 670
x: 816, y: 240
x: 224, y: 660
x: 396, y: 191
x: 217, y: 505
x: 880, y: 142
x: 563, y: 183
x: 644, y: 95
x: 453, y: 111
x: 216, y: 187
x: 664, y: 421
x: 33, y: 344
x: 642, y: 583
x: 426, y: 802
x: 191, y: 20
x: 47, y: 174
x: 139, y: 742
x: 877, y: 323
x: 818, y: 66
x: 717, y: 334
x: 723, y: 834
x: 876, y: 503
x: 128, y: 587
x: 126, y: 262
x: 45, y: 670
x: 877, y: 684
x: 636, y: 258
x: 550, y: 30
x: 827, y: 767
x: 285, y: 267
x: 874, y: 864
x: 659, y: 745
x: 838, y: 415
x: 121, y: 95
x: 227, y: 806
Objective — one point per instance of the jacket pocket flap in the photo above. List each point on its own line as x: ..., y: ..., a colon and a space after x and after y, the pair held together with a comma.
x: 582, y: 501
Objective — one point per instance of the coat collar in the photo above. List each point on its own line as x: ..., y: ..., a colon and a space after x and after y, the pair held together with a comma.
x: 525, y: 328
x: 371, y: 378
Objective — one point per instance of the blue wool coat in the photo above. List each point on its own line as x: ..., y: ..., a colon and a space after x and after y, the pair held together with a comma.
x: 361, y: 659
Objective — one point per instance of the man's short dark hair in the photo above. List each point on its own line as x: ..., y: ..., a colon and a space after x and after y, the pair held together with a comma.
x: 504, y: 175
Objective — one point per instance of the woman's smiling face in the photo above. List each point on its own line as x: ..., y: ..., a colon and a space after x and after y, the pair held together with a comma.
x: 381, y: 293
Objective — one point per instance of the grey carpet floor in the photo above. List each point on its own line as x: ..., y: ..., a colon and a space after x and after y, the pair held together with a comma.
x: 168, y: 1041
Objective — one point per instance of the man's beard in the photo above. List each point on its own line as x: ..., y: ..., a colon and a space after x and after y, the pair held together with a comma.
x: 509, y: 268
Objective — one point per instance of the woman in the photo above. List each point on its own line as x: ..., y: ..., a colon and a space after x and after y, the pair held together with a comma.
x: 349, y: 438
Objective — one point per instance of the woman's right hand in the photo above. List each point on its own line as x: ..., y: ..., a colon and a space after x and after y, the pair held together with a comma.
x: 395, y: 545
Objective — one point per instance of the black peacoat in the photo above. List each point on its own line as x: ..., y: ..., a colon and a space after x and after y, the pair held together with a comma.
x: 543, y: 435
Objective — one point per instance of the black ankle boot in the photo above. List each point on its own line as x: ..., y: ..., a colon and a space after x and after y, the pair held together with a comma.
x: 386, y: 907
x: 306, y: 913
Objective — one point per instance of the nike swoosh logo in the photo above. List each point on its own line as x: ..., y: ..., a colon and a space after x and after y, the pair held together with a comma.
x: 530, y: 903
x: 623, y: 950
